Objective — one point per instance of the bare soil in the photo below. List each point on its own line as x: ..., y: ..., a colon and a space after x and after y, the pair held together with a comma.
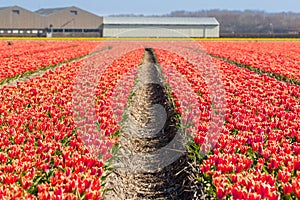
x: 153, y: 161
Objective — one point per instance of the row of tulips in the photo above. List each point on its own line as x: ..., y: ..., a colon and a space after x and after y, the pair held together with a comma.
x: 108, y: 78
x: 21, y: 47
x: 280, y: 58
x: 29, y: 58
x: 257, y: 153
x: 39, y: 145
x: 42, y: 154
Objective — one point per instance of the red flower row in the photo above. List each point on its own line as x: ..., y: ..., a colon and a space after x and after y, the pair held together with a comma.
x: 277, y: 57
x: 35, y: 55
x: 41, y: 154
x: 257, y: 154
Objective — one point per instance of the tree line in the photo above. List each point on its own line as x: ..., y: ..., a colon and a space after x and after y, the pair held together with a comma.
x: 247, y: 21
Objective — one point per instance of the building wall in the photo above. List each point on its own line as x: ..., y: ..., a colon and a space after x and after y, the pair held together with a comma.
x: 160, y: 31
x: 69, y: 20
x: 19, y: 18
x: 212, y: 31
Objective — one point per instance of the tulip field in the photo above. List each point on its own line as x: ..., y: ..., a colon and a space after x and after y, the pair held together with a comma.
x: 58, y: 129
x: 280, y: 58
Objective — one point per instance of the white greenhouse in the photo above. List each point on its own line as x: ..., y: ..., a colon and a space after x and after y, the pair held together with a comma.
x: 156, y: 27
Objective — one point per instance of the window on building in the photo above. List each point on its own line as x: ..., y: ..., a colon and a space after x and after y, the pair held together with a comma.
x: 77, y: 30
x: 74, y: 12
x: 15, y: 31
x: 58, y: 30
x: 16, y: 12
x: 91, y: 30
x: 1, y: 31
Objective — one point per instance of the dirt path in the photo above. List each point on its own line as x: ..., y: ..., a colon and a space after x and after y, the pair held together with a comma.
x: 153, y: 162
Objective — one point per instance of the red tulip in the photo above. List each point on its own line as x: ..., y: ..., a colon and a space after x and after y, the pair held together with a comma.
x: 287, y: 188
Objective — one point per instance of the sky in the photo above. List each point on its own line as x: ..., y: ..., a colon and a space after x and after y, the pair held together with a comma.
x: 153, y: 7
